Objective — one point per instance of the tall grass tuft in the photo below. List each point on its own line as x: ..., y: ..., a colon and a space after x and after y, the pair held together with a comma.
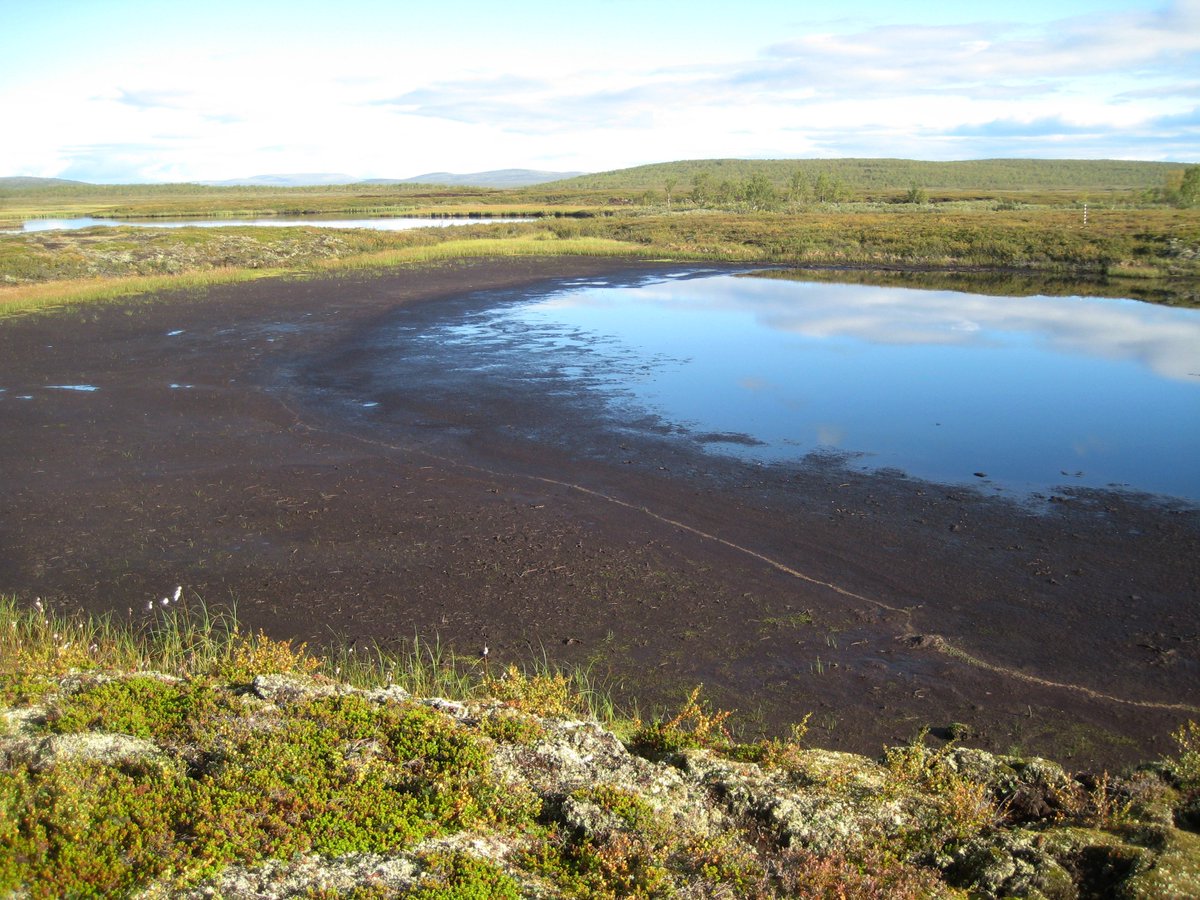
x: 188, y: 639
x: 542, y: 243
x: 54, y: 294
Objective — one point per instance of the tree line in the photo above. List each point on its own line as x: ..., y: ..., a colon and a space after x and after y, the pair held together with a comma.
x: 758, y: 193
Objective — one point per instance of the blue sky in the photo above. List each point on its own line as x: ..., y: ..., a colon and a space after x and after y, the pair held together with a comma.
x: 150, y: 91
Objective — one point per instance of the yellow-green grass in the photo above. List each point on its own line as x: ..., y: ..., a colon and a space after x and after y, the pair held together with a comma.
x: 67, y: 292
x: 187, y: 639
x: 880, y: 177
x: 188, y: 201
x: 539, y: 244
x: 71, y: 292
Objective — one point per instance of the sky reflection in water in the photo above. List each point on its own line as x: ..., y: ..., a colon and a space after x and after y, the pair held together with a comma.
x: 937, y: 383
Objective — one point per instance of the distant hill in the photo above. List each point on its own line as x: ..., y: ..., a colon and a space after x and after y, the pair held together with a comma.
x: 497, y: 178
x: 860, y: 175
x: 29, y: 181
x: 897, y: 174
x: 303, y: 179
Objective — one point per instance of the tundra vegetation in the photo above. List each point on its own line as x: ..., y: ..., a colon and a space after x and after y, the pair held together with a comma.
x: 169, y: 754
x: 1140, y: 235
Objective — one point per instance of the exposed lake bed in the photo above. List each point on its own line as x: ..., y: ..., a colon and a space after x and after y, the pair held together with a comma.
x: 458, y: 506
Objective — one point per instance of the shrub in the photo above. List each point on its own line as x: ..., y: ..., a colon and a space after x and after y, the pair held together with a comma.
x: 542, y: 694
x: 953, y: 806
x: 461, y: 876
x: 144, y: 707
x: 776, y: 753
x: 1186, y: 766
x: 693, y: 726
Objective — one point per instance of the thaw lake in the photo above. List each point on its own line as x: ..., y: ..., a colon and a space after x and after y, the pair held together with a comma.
x: 1019, y: 394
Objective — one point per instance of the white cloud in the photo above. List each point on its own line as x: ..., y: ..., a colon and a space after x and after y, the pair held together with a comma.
x: 1102, y: 85
x: 957, y: 57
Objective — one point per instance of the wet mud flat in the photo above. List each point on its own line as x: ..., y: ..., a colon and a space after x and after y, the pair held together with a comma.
x: 243, y: 443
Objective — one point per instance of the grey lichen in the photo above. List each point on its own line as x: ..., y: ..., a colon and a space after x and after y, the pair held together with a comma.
x: 702, y: 820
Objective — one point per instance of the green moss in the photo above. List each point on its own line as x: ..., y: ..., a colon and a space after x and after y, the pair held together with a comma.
x: 339, y: 775
x: 1176, y: 870
x: 723, y: 859
x: 620, y: 864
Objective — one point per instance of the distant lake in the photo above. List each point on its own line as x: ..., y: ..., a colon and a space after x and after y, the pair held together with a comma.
x: 392, y: 224
x: 1029, y: 392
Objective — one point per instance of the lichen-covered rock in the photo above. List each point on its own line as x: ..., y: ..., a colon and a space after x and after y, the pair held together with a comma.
x: 572, y: 755
x: 315, y: 875
x: 41, y: 753
x: 1068, y: 862
x: 832, y: 802
x: 1012, y: 864
x: 22, y: 720
x: 290, y: 688
x: 1028, y: 788
x: 302, y: 876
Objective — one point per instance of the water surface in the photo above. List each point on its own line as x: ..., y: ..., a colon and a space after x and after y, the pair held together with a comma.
x: 1026, y: 393
x: 390, y: 224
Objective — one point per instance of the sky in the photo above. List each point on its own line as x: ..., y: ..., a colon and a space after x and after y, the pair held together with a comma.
x: 126, y: 91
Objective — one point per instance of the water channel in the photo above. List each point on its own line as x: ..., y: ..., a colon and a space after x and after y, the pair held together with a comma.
x: 398, y: 223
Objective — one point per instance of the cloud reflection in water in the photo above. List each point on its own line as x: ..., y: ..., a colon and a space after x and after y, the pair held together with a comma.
x: 938, y: 383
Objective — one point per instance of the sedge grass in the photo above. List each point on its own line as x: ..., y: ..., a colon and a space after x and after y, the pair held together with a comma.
x: 544, y: 243
x: 189, y: 639
x: 70, y: 292
x: 60, y: 293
